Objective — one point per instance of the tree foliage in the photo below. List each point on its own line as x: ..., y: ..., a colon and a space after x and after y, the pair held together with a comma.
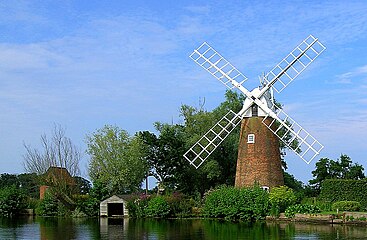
x: 12, y: 201
x: 282, y: 197
x: 27, y: 182
x: 157, y: 207
x: 342, y: 168
x: 117, y: 160
x: 166, y: 149
x: 164, y: 152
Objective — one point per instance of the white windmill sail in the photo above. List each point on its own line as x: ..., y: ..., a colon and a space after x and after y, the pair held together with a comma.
x: 201, y: 150
x: 293, y: 135
x: 209, y: 59
x: 284, y: 127
x: 294, y: 63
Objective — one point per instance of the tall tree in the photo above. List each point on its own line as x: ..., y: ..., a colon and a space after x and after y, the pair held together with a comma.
x: 165, y: 150
x: 220, y: 167
x: 342, y: 168
x: 117, y: 160
x: 57, y: 151
x: 165, y: 158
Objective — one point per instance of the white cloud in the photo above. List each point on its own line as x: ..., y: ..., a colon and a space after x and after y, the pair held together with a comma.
x: 353, y: 76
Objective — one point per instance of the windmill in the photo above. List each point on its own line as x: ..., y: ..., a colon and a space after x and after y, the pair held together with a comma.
x: 263, y: 124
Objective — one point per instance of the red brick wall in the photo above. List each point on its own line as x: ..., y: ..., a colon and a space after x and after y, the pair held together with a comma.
x: 43, y: 190
x: 258, y: 162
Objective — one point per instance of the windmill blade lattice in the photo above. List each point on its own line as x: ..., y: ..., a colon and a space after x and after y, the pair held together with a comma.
x: 284, y: 127
x: 209, y: 59
x: 294, y: 63
x: 201, y: 150
x: 293, y: 135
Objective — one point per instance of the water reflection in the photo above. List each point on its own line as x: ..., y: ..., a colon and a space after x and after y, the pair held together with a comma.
x: 90, y: 228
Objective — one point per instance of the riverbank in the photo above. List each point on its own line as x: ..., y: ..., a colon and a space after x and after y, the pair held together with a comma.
x: 350, y: 218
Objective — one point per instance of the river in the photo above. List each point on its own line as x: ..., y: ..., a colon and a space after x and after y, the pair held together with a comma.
x: 155, y: 229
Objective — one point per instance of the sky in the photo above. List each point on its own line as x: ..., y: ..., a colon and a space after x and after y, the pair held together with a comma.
x: 85, y: 64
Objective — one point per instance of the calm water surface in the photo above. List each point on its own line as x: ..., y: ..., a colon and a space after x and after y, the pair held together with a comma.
x: 151, y: 229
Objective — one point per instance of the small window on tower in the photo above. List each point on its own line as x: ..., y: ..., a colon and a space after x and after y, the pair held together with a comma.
x: 255, y: 110
x: 251, y: 138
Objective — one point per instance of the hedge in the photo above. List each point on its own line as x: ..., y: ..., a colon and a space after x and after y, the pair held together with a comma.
x: 236, y: 204
x: 335, y: 190
x: 351, y: 206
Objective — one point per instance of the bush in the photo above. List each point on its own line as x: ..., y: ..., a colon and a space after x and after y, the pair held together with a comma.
x: 324, y: 205
x: 157, y: 207
x: 180, y: 205
x: 87, y: 205
x: 351, y: 206
x: 48, y: 206
x: 281, y: 197
x: 291, y: 211
x: 12, y: 201
x: 245, y: 204
x: 345, y: 190
x: 137, y: 205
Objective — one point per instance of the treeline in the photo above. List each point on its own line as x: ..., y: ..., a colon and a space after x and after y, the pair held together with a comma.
x: 120, y: 162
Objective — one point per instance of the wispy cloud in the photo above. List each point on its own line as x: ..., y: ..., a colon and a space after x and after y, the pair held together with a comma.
x: 354, y: 76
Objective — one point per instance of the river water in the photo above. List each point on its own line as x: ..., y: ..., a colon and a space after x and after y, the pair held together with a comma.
x: 154, y: 229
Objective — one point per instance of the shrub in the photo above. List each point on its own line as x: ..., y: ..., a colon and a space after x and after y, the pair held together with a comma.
x: 137, y: 205
x: 323, y: 204
x: 32, y: 203
x: 345, y: 190
x: 349, y: 218
x: 180, y: 205
x: 87, y: 205
x: 301, y: 208
x: 282, y: 197
x: 12, y: 201
x: 48, y: 206
x: 351, y: 206
x: 157, y: 207
x: 236, y: 204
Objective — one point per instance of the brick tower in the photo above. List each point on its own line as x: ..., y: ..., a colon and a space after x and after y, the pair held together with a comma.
x: 258, y: 155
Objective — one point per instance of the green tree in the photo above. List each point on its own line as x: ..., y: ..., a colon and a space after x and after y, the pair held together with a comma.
x: 299, y: 189
x: 12, y: 201
x: 342, y: 168
x: 220, y: 167
x: 117, y: 160
x: 165, y: 157
x: 29, y: 183
x: 164, y: 151
x: 48, y: 206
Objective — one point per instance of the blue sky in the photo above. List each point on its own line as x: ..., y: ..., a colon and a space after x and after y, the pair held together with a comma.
x: 84, y: 64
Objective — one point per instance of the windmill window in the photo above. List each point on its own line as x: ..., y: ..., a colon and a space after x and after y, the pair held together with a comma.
x: 255, y: 110
x: 251, y: 138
